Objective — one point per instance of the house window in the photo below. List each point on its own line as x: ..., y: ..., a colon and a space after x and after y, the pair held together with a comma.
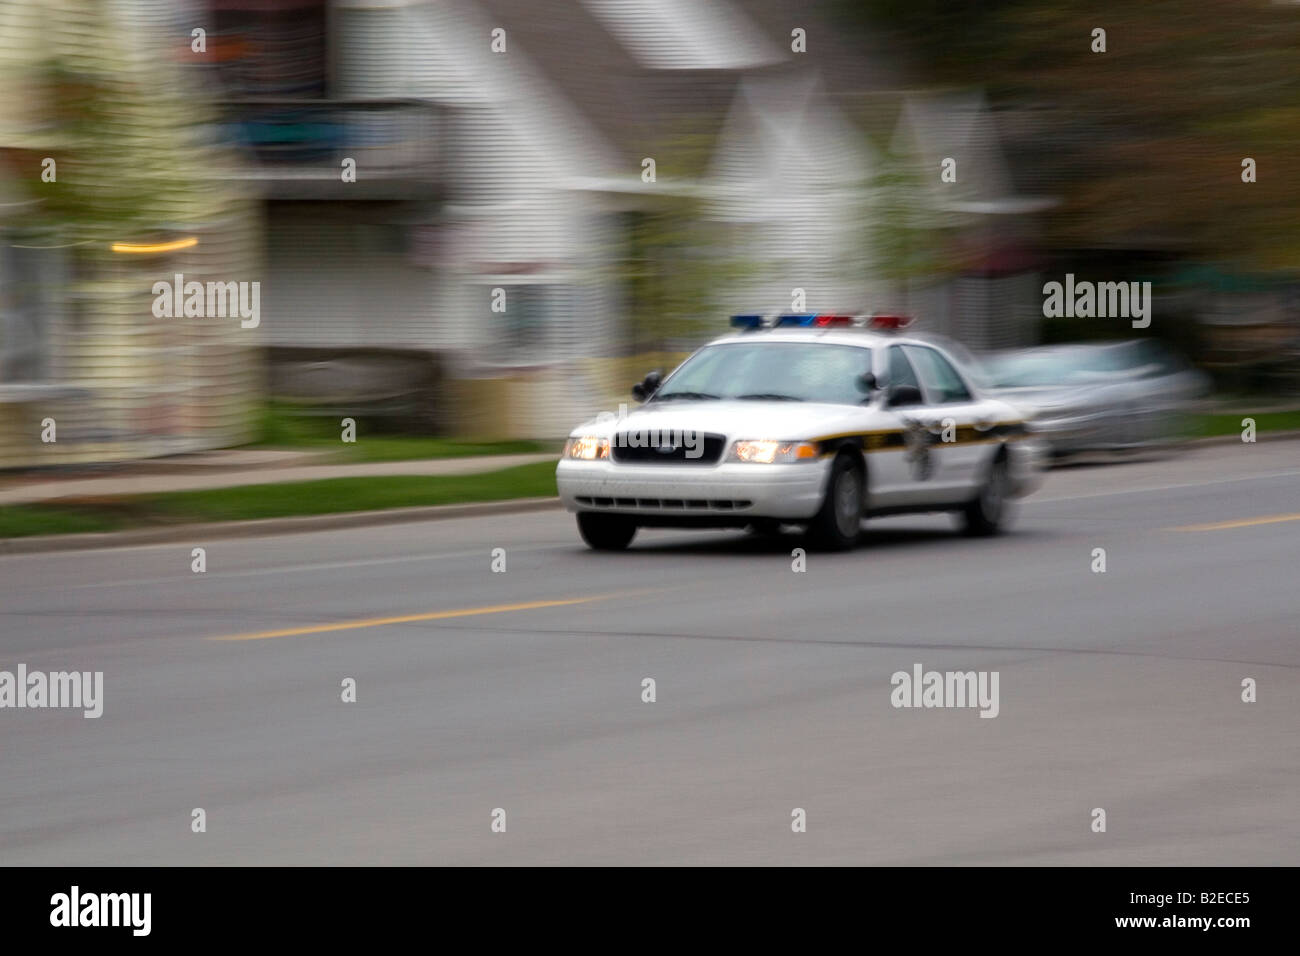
x: 519, y: 333
x: 23, y: 314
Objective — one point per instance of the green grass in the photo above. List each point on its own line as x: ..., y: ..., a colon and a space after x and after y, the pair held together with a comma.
x: 408, y: 448
x: 1219, y: 423
x: 293, y: 499
x: 281, y: 426
x: 19, y: 521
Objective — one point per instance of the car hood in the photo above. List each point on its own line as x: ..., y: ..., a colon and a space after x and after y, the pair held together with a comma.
x: 735, y: 419
x: 1038, y: 398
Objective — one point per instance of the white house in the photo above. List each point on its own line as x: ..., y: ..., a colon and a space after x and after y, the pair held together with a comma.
x: 500, y: 146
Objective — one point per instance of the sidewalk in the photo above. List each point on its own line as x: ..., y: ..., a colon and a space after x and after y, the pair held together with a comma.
x: 1246, y: 406
x: 226, y: 469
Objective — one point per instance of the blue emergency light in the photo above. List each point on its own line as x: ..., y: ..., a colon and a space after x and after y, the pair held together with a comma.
x: 802, y: 319
x: 746, y: 321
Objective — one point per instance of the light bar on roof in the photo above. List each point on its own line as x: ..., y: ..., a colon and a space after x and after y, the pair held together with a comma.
x: 814, y: 320
x: 746, y: 321
x: 890, y: 323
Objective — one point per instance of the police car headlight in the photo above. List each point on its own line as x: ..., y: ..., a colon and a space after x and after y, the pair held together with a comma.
x: 766, y: 452
x: 586, y: 448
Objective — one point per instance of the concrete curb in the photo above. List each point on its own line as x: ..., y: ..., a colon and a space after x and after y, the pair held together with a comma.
x: 1289, y: 435
x: 172, y: 466
x: 152, y: 482
x: 197, y: 533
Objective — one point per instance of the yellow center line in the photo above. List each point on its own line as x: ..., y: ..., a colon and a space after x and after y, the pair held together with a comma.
x: 1242, y: 523
x: 407, y: 618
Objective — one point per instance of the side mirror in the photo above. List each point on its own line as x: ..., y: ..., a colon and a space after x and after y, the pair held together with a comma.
x: 644, y: 389
x: 904, y: 395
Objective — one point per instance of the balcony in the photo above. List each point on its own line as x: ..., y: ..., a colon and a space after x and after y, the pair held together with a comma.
x: 295, y: 147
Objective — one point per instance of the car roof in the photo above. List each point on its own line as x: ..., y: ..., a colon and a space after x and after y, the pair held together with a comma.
x: 1074, y: 348
x: 1044, y: 351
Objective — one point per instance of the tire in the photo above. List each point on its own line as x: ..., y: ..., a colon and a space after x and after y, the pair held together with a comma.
x: 838, y: 524
x: 989, y: 512
x: 606, y: 532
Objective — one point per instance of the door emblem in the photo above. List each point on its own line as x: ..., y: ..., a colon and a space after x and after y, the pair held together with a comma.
x: 917, y: 440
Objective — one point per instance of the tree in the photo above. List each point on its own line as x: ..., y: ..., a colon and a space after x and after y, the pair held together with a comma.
x: 1144, y: 142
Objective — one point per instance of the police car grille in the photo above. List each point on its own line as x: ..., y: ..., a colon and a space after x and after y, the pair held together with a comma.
x: 707, y: 451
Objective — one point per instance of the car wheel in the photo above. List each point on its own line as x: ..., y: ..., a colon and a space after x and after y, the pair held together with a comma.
x: 988, y: 512
x: 606, y: 532
x: 838, y: 524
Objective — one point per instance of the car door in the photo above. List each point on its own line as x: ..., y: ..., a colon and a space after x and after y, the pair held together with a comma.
x: 954, y: 418
x: 899, y: 472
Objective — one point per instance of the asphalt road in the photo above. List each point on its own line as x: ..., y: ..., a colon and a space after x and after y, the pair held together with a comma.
x: 1118, y: 690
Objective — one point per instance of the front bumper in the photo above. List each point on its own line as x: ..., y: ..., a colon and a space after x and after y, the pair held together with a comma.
x: 726, y: 492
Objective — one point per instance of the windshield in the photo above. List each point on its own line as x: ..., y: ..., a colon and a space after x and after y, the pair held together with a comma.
x: 1141, y: 358
x: 771, y: 371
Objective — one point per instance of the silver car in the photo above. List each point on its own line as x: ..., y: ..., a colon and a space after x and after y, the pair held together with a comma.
x: 1090, y: 397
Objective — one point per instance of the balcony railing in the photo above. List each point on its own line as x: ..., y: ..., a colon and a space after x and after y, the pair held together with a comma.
x: 306, y: 140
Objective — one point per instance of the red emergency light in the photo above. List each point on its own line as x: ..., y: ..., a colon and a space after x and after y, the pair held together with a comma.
x: 890, y: 323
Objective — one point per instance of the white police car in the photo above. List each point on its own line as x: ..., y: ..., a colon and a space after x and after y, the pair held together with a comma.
x: 814, y: 420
